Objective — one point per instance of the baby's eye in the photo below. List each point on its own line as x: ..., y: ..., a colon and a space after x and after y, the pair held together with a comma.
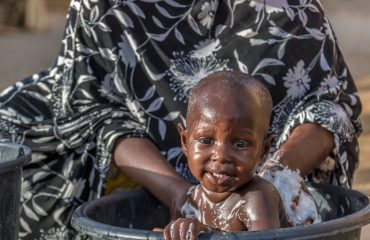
x: 206, y: 140
x: 240, y: 144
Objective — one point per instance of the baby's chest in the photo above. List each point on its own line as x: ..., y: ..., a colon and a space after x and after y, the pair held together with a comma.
x: 223, y: 220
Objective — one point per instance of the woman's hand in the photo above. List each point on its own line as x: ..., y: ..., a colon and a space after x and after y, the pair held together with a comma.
x: 184, y: 229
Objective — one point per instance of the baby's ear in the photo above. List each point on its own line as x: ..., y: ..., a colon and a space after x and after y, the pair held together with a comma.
x: 182, y: 132
x: 267, y: 142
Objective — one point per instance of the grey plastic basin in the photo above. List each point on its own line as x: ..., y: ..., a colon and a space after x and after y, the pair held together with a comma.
x: 131, y: 215
x: 12, y: 158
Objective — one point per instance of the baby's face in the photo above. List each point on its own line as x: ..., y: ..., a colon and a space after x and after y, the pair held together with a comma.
x: 223, y: 142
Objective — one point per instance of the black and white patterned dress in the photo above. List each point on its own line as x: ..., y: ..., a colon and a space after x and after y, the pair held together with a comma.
x: 125, y: 68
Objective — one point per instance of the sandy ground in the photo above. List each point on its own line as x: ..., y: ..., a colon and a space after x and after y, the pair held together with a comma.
x: 24, y: 53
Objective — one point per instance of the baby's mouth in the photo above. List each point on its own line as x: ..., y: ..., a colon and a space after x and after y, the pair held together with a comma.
x: 217, y: 178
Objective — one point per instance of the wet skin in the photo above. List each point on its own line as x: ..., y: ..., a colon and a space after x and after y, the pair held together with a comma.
x: 224, y: 139
x: 223, y: 143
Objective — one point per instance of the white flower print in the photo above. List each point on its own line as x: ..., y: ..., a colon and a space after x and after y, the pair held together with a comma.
x: 331, y: 84
x: 136, y: 127
x: 73, y: 189
x: 118, y: 1
x: 271, y: 6
x: 135, y: 108
x: 297, y: 81
x: 206, y: 48
x: 26, y: 193
x: 109, y: 90
x: 334, y: 117
x: 328, y: 30
x: 207, y: 14
x: 54, y: 234
x: 126, y: 52
x: 186, y: 70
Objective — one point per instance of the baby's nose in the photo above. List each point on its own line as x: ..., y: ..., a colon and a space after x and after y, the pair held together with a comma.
x: 221, y: 153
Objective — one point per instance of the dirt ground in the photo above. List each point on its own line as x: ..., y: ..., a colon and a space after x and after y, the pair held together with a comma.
x: 23, y: 53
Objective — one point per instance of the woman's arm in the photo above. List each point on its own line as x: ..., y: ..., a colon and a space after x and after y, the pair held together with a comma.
x: 307, y: 146
x: 140, y: 159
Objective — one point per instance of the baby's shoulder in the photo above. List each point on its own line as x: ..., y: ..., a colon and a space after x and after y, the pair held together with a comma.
x: 259, y: 187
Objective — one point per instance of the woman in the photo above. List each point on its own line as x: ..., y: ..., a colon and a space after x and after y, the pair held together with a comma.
x: 120, y: 83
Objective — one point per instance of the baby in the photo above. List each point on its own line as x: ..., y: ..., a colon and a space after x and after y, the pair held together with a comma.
x: 225, y: 137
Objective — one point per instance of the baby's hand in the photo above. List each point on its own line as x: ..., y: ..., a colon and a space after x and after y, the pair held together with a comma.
x: 184, y: 229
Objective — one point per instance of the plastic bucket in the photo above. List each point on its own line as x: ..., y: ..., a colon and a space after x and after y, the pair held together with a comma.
x: 131, y: 215
x: 12, y: 158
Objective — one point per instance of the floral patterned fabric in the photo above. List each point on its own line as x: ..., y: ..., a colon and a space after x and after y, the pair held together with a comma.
x: 125, y: 69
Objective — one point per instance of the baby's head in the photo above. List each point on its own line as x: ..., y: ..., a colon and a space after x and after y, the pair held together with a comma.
x: 226, y: 129
x: 231, y: 89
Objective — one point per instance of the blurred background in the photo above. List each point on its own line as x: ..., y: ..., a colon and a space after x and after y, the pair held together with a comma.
x: 31, y: 30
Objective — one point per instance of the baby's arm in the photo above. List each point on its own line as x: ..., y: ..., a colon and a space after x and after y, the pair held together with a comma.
x: 187, y: 227
x: 261, y: 210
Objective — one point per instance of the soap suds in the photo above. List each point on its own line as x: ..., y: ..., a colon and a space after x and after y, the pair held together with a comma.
x: 299, y: 206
